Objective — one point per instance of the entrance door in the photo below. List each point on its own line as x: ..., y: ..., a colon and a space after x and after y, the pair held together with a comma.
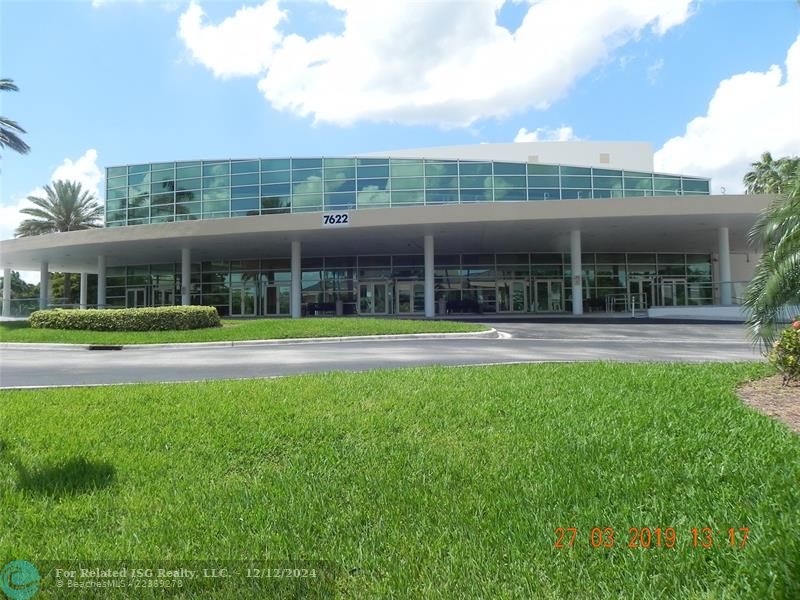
x: 373, y: 299
x: 673, y: 292
x: 135, y: 298
x: 163, y: 296
x: 410, y: 297
x: 512, y: 296
x: 276, y: 299
x: 643, y: 290
x: 243, y: 300
x: 549, y: 295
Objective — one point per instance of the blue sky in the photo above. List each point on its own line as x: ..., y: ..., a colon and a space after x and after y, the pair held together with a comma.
x: 111, y: 82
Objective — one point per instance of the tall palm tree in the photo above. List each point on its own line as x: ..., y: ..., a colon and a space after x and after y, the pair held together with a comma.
x: 8, y: 128
x: 776, y: 283
x: 65, y: 207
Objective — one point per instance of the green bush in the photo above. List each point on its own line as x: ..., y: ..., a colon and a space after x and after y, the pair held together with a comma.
x: 785, y: 354
x: 163, y: 318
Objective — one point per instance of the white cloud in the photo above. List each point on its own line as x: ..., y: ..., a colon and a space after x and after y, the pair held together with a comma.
x: 750, y: 113
x: 10, y: 216
x: 653, y: 71
x: 423, y: 62
x: 241, y: 45
x: 169, y: 5
x: 542, y: 134
x: 83, y: 170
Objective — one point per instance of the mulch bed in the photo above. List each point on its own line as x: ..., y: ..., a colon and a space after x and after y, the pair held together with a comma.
x: 774, y: 399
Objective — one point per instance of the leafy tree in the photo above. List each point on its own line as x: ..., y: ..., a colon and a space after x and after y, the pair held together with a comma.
x: 770, y: 176
x: 65, y: 207
x: 21, y: 288
x: 776, y: 283
x: 10, y: 130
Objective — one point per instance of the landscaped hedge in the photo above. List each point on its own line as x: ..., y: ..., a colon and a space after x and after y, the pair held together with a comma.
x: 162, y: 318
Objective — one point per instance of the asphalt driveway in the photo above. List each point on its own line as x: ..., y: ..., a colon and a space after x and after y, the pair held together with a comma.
x: 24, y: 366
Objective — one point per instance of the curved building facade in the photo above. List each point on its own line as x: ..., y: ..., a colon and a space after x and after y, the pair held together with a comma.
x: 428, y: 232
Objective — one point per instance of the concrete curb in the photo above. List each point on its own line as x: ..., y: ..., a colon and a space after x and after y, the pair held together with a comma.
x: 489, y: 334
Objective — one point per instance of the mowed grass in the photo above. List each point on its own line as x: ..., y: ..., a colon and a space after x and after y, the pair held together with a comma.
x: 236, y: 329
x: 418, y: 483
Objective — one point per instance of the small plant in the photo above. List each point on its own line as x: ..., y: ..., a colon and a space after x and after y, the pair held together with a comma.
x: 785, y: 354
x: 163, y: 318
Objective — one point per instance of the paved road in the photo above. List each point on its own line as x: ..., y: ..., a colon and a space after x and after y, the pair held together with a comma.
x: 518, y: 342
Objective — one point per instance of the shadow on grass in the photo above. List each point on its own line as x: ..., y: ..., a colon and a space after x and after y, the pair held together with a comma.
x: 66, y: 478
x: 15, y: 325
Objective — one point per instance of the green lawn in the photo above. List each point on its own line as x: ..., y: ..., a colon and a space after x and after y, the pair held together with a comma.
x: 419, y: 483
x: 256, y: 329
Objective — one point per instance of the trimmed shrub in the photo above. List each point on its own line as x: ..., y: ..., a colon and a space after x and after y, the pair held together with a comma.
x: 162, y: 318
x: 785, y: 354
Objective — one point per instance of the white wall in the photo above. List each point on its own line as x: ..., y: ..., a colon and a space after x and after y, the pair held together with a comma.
x: 634, y: 156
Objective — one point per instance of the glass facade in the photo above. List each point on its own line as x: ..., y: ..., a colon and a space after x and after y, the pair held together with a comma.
x: 393, y: 284
x: 178, y: 191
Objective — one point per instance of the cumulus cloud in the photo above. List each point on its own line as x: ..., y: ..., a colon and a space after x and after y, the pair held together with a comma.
x: 83, y: 170
x: 445, y: 62
x: 750, y: 113
x: 10, y: 216
x: 243, y: 44
x: 542, y: 134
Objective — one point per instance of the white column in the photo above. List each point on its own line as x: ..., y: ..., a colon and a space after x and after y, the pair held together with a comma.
x: 577, y: 271
x: 725, y: 295
x: 101, y: 281
x: 429, y: 305
x: 296, y: 288
x: 186, y: 276
x: 84, y: 289
x: 44, y: 285
x: 6, y: 292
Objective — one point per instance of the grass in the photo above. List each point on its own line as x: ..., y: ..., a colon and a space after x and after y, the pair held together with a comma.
x: 434, y: 482
x: 236, y: 329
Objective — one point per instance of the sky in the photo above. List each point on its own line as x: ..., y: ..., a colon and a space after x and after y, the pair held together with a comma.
x: 709, y: 84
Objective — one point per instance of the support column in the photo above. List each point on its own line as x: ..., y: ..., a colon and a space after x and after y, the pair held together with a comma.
x: 44, y: 285
x: 84, y: 289
x: 6, y: 292
x: 186, y: 276
x: 296, y: 288
x: 429, y: 304
x: 577, y: 271
x: 101, y: 281
x: 725, y: 292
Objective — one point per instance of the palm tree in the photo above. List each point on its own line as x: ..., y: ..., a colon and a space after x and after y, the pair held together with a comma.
x: 65, y: 207
x: 776, y: 283
x: 771, y: 176
x: 8, y: 128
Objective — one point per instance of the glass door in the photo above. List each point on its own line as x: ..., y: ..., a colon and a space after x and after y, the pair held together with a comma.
x: 404, y: 305
x: 243, y: 300
x: 276, y: 299
x: 372, y: 299
x: 512, y: 296
x: 410, y: 297
x: 135, y: 298
x: 643, y: 290
x: 163, y: 296
x: 673, y: 292
x: 549, y: 295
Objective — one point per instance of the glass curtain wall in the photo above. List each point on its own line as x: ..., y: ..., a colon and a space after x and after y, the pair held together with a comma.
x: 166, y: 192
x: 463, y: 283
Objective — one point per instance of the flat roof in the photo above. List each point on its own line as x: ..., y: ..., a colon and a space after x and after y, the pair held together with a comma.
x: 678, y: 224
